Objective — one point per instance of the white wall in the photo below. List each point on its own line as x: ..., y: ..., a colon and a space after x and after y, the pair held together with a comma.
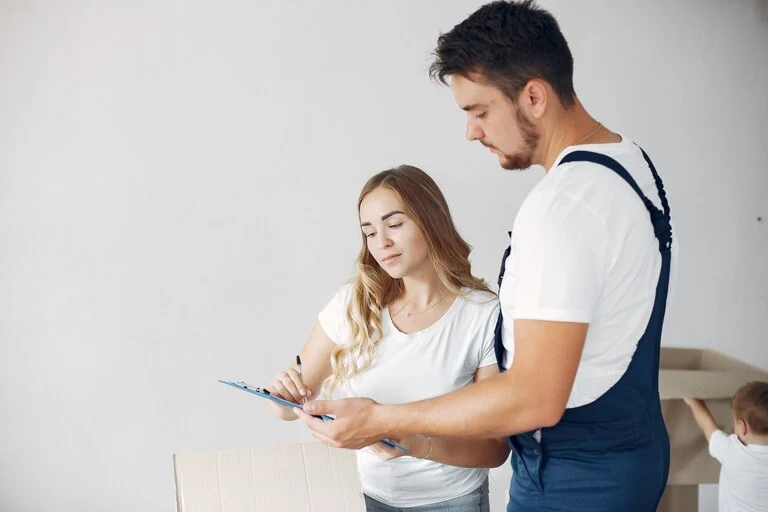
x: 177, y: 201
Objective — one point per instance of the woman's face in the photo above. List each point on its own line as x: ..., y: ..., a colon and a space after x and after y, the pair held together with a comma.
x: 394, y: 240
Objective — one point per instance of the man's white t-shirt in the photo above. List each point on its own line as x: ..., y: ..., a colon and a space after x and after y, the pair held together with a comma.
x: 743, y: 476
x: 410, y: 367
x: 583, y: 250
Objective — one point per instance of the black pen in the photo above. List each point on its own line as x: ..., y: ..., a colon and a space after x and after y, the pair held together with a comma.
x: 298, y: 367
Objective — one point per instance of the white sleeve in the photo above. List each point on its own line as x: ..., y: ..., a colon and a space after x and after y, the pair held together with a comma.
x: 333, y: 317
x: 487, y: 351
x: 722, y: 447
x: 560, y: 248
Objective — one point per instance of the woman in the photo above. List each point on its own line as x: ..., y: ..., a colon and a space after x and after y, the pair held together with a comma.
x: 414, y: 323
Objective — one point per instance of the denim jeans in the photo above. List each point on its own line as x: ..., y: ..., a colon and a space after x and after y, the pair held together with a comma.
x: 475, y: 501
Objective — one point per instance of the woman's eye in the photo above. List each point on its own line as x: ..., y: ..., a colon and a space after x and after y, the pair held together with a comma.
x: 369, y: 235
x: 396, y: 225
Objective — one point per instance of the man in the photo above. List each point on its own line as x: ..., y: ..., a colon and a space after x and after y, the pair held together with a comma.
x: 583, y: 295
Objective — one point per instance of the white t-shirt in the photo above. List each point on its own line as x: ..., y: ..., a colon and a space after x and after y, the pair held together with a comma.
x: 584, y: 250
x: 743, y: 475
x: 410, y: 367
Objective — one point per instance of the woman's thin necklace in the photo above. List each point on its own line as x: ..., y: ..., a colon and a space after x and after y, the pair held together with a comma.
x: 409, y: 314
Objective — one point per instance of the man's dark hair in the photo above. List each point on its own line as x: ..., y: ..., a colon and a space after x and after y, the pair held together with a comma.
x: 508, y: 43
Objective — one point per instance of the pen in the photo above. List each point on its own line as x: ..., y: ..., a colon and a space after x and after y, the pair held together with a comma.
x: 298, y: 367
x: 263, y: 392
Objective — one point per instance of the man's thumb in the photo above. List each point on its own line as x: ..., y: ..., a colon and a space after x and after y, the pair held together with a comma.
x: 317, y: 407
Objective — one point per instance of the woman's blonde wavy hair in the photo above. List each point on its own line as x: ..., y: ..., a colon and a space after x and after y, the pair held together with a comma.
x: 373, y: 289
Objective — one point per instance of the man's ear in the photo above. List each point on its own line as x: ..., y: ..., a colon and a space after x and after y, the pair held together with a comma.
x: 534, y: 98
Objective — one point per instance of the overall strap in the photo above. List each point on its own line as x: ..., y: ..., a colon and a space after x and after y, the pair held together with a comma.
x: 659, y: 218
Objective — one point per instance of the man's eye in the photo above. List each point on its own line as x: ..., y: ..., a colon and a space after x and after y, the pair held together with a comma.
x: 481, y: 115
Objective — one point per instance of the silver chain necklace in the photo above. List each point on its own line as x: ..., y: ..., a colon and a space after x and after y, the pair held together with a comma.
x: 590, y: 134
x: 409, y: 314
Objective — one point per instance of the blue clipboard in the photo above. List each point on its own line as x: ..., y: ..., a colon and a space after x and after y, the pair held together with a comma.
x: 263, y: 393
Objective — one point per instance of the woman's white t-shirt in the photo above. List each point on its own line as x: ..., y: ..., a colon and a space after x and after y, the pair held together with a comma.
x: 416, y: 366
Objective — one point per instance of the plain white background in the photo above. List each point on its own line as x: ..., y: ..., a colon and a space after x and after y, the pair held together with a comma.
x: 178, y: 182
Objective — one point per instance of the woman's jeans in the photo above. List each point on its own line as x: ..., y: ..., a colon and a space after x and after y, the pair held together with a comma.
x: 475, y: 501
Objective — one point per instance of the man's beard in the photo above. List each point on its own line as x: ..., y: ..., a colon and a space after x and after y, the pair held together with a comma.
x: 523, y: 159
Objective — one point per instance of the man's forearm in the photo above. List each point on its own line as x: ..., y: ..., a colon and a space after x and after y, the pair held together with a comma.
x: 533, y: 393
x: 496, y: 407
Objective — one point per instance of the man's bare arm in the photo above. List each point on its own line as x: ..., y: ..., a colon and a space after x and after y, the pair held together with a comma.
x: 533, y: 393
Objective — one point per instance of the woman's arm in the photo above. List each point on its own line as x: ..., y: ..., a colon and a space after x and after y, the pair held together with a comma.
x: 315, y: 368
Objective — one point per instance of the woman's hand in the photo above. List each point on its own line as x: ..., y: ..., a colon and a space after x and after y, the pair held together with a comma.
x: 288, y: 385
x: 418, y: 447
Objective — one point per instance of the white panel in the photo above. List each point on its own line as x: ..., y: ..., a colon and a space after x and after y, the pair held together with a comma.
x: 197, y: 482
x: 280, y: 478
x: 236, y: 481
x: 333, y: 479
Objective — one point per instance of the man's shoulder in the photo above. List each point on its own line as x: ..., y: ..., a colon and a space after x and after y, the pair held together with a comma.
x: 594, y: 186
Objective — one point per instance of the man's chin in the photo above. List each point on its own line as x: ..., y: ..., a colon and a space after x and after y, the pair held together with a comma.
x: 506, y: 164
x: 513, y: 164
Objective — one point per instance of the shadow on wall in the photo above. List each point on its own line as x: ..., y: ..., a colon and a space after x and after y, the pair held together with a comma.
x: 761, y: 9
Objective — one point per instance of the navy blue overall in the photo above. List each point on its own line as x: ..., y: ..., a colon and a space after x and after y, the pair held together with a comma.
x: 611, y: 455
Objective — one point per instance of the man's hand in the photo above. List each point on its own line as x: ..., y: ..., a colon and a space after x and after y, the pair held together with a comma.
x: 357, y: 422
